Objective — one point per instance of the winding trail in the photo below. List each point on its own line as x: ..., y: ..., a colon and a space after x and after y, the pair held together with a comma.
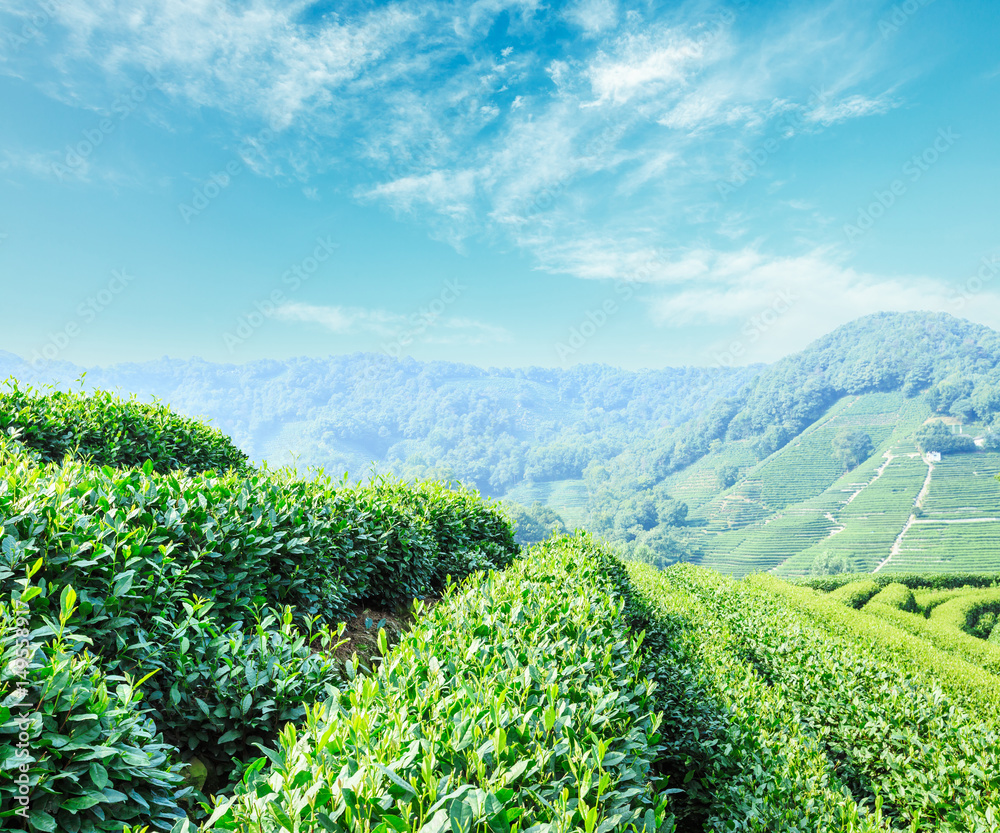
x: 889, y: 457
x: 835, y: 522
x: 838, y: 525
x: 918, y: 502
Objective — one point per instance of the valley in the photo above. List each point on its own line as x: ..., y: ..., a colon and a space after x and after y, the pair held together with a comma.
x: 271, y: 652
x: 737, y: 469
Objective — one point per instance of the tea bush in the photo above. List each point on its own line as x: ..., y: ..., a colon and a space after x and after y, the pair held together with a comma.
x: 751, y: 765
x: 515, y: 703
x: 973, y: 613
x: 888, y: 725
x: 931, y: 581
x: 898, y: 596
x: 856, y: 594
x: 78, y: 753
x: 179, y: 573
x: 943, y: 656
x: 107, y: 430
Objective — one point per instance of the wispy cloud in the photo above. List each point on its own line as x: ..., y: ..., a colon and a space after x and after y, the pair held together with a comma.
x: 428, y: 326
x: 750, y: 292
x: 851, y: 107
x: 643, y: 65
x: 593, y: 16
x: 533, y: 145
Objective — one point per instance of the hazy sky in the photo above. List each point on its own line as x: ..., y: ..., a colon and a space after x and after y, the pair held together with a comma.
x: 640, y: 184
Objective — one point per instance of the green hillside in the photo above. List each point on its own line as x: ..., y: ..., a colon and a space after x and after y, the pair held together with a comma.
x: 192, y: 650
x: 569, y: 497
x: 756, y: 483
x: 732, y: 468
x: 798, y: 508
x: 214, y: 584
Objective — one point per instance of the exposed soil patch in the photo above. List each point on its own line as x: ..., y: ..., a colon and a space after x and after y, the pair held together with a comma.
x: 362, y: 627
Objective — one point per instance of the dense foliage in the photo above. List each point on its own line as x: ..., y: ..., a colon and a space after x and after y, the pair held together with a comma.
x: 516, y: 701
x: 78, y: 753
x: 858, y: 593
x: 533, y: 523
x: 492, y: 429
x: 938, y: 436
x: 108, y: 431
x: 936, y: 581
x: 745, y: 760
x: 852, y: 447
x: 885, y: 728
x: 225, y: 591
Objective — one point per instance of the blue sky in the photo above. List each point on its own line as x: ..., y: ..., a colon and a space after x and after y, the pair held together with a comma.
x: 505, y: 184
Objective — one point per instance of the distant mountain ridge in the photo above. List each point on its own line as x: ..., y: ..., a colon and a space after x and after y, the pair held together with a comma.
x: 644, y: 458
x: 440, y: 418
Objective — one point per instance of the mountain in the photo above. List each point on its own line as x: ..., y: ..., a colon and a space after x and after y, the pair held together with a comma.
x: 908, y: 383
x: 737, y: 468
x: 492, y: 428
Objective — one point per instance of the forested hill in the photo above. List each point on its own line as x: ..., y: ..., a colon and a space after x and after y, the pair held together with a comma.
x: 491, y: 428
x: 645, y: 458
x: 958, y: 361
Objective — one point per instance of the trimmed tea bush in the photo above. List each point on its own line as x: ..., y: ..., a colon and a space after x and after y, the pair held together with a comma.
x: 898, y: 596
x: 78, y: 751
x: 518, y: 700
x: 109, y: 431
x: 856, y: 594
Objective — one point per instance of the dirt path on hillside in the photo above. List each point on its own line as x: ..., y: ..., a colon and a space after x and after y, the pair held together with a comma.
x: 956, y: 521
x: 889, y: 457
x: 835, y: 522
x: 839, y: 525
x: 918, y: 503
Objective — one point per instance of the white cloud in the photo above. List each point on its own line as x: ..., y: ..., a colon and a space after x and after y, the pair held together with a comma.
x: 593, y: 16
x: 427, y: 325
x: 340, y: 320
x: 250, y: 60
x: 51, y: 165
x: 773, y: 305
x: 851, y: 107
x: 605, y: 258
x: 609, y: 168
x: 643, y: 65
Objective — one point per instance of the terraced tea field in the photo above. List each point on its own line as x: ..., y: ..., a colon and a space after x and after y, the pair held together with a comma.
x: 698, y: 483
x: 567, y: 497
x: 948, y: 546
x: 964, y: 488
x: 798, y: 503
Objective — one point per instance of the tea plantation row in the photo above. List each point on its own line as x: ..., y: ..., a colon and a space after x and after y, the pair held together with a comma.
x: 158, y: 611
x: 152, y: 616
